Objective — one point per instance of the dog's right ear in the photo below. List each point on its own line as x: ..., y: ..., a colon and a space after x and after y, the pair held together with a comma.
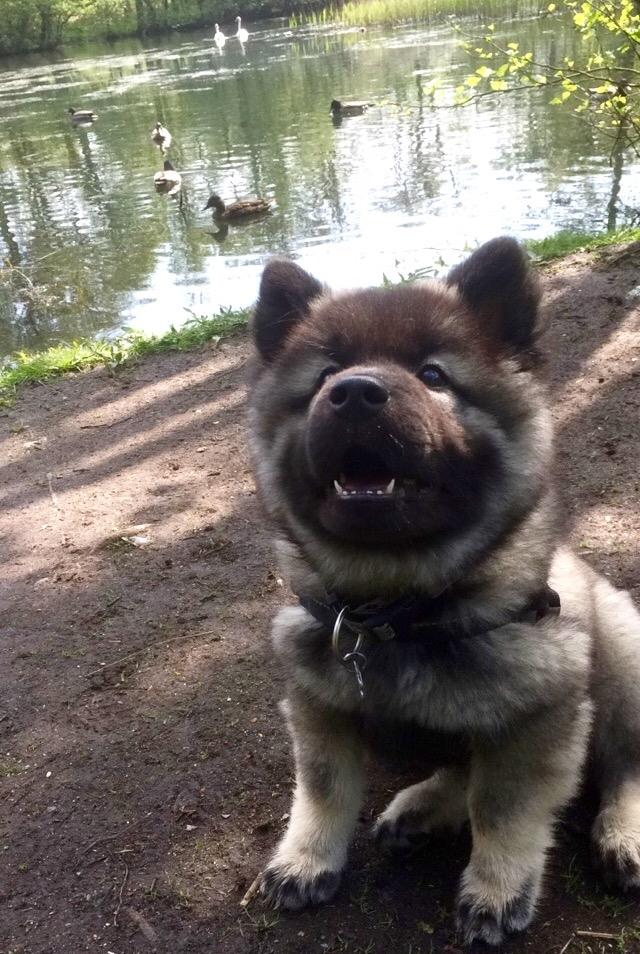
x: 286, y: 291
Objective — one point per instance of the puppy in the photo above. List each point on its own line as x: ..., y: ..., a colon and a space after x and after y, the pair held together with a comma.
x: 403, y: 451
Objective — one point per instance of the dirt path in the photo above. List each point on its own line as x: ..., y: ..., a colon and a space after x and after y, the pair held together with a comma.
x: 144, y: 775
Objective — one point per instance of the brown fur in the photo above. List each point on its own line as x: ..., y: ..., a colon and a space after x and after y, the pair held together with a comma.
x: 436, y: 388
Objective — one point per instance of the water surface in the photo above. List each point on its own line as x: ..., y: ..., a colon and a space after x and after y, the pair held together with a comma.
x: 404, y: 187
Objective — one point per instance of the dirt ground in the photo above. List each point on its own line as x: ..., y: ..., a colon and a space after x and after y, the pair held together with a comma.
x: 144, y: 773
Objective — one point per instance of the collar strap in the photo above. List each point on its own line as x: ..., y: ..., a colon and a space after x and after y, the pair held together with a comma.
x: 418, y: 618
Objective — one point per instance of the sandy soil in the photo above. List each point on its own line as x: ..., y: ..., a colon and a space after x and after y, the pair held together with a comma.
x: 144, y: 773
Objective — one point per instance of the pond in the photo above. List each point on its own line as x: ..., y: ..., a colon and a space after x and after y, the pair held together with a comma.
x: 89, y: 247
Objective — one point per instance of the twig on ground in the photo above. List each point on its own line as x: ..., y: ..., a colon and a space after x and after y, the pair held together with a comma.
x: 567, y: 945
x: 52, y: 494
x: 251, y: 891
x: 143, y: 926
x: 103, y: 609
x: 124, y: 881
x: 144, y: 649
x: 96, y: 841
x: 598, y: 935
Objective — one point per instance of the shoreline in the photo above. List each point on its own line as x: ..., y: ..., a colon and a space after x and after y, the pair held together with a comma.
x: 36, y: 367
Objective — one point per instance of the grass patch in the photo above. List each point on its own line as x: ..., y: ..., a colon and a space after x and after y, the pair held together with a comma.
x: 592, y: 897
x: 35, y: 367
x: 369, y: 12
x: 563, y: 243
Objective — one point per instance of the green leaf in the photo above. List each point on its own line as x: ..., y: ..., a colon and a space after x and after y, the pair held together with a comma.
x: 497, y: 85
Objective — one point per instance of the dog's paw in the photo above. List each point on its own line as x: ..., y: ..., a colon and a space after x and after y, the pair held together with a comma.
x: 285, y: 887
x: 399, y: 831
x: 483, y: 918
x: 439, y: 802
x: 617, y: 851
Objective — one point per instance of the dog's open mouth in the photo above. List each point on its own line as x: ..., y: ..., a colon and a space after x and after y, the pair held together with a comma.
x: 365, y: 474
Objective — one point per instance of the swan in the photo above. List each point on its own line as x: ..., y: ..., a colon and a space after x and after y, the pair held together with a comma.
x: 241, y: 33
x: 219, y: 38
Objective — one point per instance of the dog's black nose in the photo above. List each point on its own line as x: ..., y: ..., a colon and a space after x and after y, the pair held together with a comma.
x: 358, y: 397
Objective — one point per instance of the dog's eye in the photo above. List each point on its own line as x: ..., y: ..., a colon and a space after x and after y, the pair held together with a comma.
x: 433, y: 376
x: 324, y: 374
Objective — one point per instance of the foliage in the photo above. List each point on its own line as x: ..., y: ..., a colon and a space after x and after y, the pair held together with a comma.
x: 27, y: 25
x: 601, y: 85
x: 36, y: 367
x: 563, y: 243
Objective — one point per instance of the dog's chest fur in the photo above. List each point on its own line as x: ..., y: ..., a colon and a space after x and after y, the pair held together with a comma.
x: 478, y: 685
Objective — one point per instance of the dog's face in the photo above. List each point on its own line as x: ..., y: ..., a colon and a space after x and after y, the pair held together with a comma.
x: 398, y: 420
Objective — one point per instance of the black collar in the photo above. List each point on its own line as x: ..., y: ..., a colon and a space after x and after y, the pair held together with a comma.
x: 417, y: 618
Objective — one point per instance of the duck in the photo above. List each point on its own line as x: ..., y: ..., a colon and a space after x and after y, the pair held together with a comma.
x: 167, y: 181
x: 161, y: 136
x: 339, y: 108
x: 236, y: 210
x: 85, y: 116
x: 241, y: 33
x: 219, y: 38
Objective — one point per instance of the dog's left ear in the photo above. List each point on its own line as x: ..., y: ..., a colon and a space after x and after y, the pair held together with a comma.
x: 496, y: 282
x: 286, y: 292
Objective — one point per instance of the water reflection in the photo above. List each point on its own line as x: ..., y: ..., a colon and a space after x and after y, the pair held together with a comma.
x: 89, y: 246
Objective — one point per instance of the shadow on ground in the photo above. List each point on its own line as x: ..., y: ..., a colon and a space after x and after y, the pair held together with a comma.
x: 144, y: 774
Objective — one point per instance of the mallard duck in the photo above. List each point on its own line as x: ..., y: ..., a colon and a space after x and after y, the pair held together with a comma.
x: 348, y: 109
x: 219, y: 38
x: 241, y: 33
x: 85, y: 116
x: 167, y: 181
x: 161, y: 136
x: 236, y: 210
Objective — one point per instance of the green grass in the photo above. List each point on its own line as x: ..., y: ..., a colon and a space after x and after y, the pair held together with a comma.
x: 369, y: 12
x: 593, y: 898
x: 564, y: 243
x: 35, y: 367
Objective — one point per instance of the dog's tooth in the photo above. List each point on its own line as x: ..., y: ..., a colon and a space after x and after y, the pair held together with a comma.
x: 339, y: 488
x: 389, y: 488
x: 379, y: 493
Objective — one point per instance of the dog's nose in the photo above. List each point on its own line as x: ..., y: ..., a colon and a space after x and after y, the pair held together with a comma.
x: 358, y: 397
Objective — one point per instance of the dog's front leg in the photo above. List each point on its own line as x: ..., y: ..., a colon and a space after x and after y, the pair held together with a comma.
x: 308, y: 862
x: 516, y: 789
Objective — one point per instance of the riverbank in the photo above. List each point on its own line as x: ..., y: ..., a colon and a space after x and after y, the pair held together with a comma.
x: 118, y: 351
x: 144, y: 773
x: 34, y: 26
x: 31, y: 26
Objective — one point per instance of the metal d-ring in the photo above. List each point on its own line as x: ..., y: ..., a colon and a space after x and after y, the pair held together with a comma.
x: 356, y: 657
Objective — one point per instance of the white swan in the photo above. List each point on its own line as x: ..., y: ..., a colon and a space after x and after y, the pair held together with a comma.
x: 241, y: 33
x: 219, y: 38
